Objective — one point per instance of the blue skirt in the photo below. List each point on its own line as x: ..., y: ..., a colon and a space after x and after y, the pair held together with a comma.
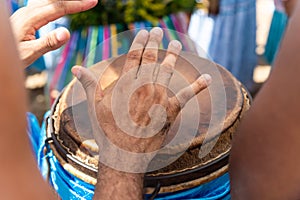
x: 233, y: 40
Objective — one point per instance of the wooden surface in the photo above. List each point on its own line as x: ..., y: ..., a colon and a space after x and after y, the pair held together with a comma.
x: 223, y: 84
x: 219, y: 107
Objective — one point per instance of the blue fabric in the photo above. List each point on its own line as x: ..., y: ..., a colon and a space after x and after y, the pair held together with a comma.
x: 277, y: 30
x: 39, y: 64
x: 14, y: 6
x: 71, y: 188
x: 33, y: 130
x: 216, y: 189
x: 233, y: 41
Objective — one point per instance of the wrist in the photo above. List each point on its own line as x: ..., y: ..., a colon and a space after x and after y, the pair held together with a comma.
x: 104, y: 170
x: 126, y: 161
x: 114, y: 184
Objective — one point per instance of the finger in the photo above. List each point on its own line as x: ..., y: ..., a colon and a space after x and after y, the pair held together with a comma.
x: 58, y: 8
x: 136, y: 50
x: 150, y: 53
x: 32, y: 50
x: 186, y: 94
x: 168, y: 64
x: 88, y: 82
x: 53, y: 40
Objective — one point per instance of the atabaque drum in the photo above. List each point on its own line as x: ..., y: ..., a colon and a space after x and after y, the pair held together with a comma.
x: 192, y: 168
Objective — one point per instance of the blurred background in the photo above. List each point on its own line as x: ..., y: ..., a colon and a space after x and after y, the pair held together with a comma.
x: 241, y: 35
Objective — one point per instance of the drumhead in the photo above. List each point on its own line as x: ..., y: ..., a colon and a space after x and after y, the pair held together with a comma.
x: 78, y: 152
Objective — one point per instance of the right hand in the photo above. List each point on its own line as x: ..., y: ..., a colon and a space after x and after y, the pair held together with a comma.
x: 27, y: 20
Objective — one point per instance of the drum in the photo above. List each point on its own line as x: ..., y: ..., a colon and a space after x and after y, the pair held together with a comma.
x: 74, y: 156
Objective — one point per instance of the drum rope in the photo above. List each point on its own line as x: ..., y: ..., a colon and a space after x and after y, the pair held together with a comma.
x: 155, y: 192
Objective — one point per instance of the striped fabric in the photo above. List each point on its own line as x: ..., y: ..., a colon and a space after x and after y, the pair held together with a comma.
x: 93, y: 44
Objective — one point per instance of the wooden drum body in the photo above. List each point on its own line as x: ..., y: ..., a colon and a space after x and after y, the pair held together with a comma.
x: 220, y: 110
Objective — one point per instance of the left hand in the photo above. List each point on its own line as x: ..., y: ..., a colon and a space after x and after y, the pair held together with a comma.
x: 27, y: 20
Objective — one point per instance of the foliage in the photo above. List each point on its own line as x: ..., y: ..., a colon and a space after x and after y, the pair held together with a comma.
x: 128, y: 11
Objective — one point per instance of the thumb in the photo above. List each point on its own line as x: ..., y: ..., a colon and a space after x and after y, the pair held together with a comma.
x: 33, y: 49
x: 52, y: 40
x: 88, y: 82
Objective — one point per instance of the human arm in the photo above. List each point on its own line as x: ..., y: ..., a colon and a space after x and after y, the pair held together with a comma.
x: 20, y: 178
x: 289, y: 6
x: 27, y: 20
x: 264, y: 162
x: 121, y: 169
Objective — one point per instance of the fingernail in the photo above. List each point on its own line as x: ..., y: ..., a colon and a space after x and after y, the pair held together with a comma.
x: 207, y: 78
x: 176, y: 44
x: 77, y: 72
x: 157, y: 31
x: 61, y: 35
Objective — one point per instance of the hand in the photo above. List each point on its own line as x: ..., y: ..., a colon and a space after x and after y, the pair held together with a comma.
x: 27, y: 20
x: 135, y: 114
x: 151, y: 112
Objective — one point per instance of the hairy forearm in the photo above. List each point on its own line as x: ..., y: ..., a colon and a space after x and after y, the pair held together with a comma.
x: 114, y: 185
